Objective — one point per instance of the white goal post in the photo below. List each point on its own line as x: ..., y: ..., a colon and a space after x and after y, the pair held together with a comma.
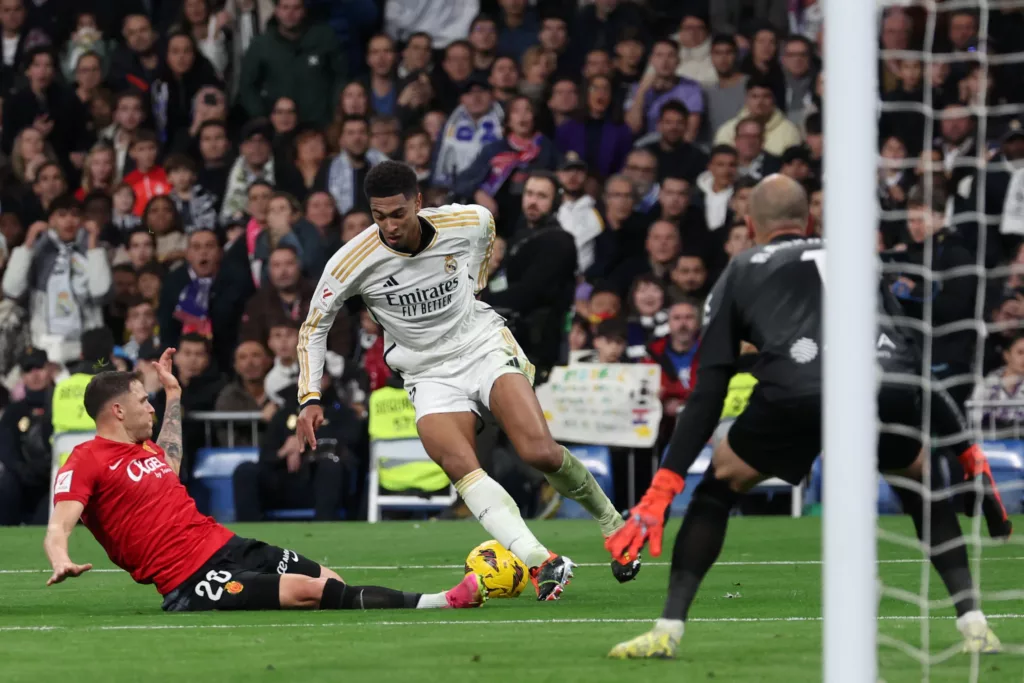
x: 851, y: 213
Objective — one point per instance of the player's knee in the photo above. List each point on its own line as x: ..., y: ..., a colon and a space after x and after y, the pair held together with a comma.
x: 301, y: 592
x: 541, y: 452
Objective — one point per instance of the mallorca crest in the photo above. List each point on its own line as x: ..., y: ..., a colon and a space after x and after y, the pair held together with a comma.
x: 450, y: 264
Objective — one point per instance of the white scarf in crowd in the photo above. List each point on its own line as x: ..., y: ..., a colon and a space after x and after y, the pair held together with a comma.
x: 67, y: 286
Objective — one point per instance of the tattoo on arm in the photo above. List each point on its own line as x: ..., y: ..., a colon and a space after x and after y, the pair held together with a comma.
x: 170, y: 435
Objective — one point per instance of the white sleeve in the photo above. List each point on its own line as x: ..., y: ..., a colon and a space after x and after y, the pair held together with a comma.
x: 481, y: 244
x: 336, y: 285
x: 1012, y: 222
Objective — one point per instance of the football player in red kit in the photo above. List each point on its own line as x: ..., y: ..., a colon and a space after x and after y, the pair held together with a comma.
x: 126, y: 491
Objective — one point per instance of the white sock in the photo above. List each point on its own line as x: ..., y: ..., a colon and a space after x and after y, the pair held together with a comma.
x: 432, y: 601
x: 972, y: 617
x: 498, y: 513
x: 673, y: 627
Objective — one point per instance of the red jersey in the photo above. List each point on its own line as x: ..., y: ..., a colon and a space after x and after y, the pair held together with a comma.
x: 139, y: 511
x: 152, y: 183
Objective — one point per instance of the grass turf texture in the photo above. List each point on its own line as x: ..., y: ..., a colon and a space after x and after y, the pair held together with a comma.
x: 106, y: 628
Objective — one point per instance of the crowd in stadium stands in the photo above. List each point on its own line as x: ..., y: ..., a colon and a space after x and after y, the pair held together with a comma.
x: 178, y: 172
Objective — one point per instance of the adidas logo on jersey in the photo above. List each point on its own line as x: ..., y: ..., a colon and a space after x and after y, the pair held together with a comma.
x: 391, y: 282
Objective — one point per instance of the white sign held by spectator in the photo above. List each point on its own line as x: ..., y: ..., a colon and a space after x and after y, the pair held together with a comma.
x: 604, y: 404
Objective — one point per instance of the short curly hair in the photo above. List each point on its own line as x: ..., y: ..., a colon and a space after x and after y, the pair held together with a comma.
x: 389, y: 178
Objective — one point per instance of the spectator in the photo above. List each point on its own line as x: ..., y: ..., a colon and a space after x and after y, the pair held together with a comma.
x: 815, y: 142
x: 284, y: 374
x: 309, y: 153
x: 284, y: 121
x: 695, y: 45
x: 150, y: 283
x: 456, y: 70
x: 384, y: 135
x: 140, y: 326
x: 716, y: 185
x: 254, y: 163
x: 47, y: 185
x: 483, y: 36
x: 294, y: 58
x: 98, y: 171
x: 676, y: 353
x: 246, y: 393
x: 135, y: 64
x: 609, y: 343
x: 537, y: 67
x: 504, y: 79
x: 416, y: 151
x: 577, y: 211
x: 287, y: 226
x: 214, y: 160
x: 563, y: 102
x: 207, y: 298
x: 728, y: 16
x: 495, y: 179
x: 196, y: 207
x: 208, y: 104
x: 287, y: 295
x: 381, y: 84
x: 124, y: 288
x: 25, y: 451
x: 148, y: 180
x: 752, y: 161
x: 128, y: 117
x: 475, y: 123
x: 624, y: 228
x: 689, y: 278
x: 597, y: 135
x: 207, y: 29
x: 541, y: 271
x: 762, y: 61
x: 642, y: 168
x: 184, y: 73
x: 51, y: 108
x: 29, y: 152
x: 123, y: 216
x: 958, y: 144
x: 62, y: 276
x: 604, y: 23
x: 518, y: 28
x: 660, y: 85
x: 779, y: 134
x: 660, y: 251
x: 738, y: 240
x: 800, y: 76
x: 628, y: 67
x: 138, y: 250
x: 162, y: 220
x: 816, y: 206
x: 284, y: 476
x: 344, y: 175
x: 1005, y: 384
x: 675, y: 156
x: 323, y: 214
x: 648, y: 317
x: 554, y: 37
x: 416, y: 54
x: 12, y: 20
x: 952, y: 297
x: 599, y: 63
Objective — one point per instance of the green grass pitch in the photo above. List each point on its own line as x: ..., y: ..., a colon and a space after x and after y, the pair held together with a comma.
x: 103, y: 627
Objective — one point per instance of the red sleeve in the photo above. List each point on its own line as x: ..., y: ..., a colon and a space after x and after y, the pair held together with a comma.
x: 75, y: 480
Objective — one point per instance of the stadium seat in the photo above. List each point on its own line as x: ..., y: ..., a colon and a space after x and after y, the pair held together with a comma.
x: 211, y: 479
x: 598, y: 459
x: 386, y: 453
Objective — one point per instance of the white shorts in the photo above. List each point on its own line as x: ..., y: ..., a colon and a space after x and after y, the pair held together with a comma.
x: 464, y: 384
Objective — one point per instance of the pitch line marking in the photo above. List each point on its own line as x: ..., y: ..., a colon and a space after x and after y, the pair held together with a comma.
x: 465, y: 622
x: 398, y: 567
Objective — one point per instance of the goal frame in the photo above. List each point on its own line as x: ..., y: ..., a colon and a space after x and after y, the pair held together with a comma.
x: 850, y: 479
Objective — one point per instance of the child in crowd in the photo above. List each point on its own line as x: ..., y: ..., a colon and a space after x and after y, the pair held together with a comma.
x: 124, y: 218
x: 148, y: 180
x: 283, y: 340
x: 196, y: 206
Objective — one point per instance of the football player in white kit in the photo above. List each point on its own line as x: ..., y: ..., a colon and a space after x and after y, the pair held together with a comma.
x: 418, y: 272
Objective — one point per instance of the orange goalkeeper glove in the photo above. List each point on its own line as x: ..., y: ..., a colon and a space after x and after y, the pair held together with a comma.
x: 646, y: 521
x: 975, y: 464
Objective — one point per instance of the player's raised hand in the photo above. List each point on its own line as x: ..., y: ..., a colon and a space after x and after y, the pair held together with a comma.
x: 310, y: 419
x: 64, y: 570
x: 165, y: 372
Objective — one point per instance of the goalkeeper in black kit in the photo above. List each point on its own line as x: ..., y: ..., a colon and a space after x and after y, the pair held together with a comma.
x: 770, y: 296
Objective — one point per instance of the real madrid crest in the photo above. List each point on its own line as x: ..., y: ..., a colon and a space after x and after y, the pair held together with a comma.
x: 23, y: 424
x: 450, y: 264
x: 292, y: 421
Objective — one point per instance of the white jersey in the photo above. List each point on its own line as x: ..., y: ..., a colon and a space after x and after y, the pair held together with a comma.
x: 426, y: 303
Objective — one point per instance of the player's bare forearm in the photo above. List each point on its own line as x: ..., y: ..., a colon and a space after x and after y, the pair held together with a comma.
x: 58, y: 530
x: 170, y: 434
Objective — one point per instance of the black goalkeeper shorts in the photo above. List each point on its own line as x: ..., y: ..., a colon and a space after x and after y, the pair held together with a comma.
x: 243, y: 575
x: 779, y: 438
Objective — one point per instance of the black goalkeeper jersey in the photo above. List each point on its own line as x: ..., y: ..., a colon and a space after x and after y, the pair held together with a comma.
x: 770, y: 296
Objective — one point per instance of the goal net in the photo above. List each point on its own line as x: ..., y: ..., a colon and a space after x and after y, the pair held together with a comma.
x: 948, y: 141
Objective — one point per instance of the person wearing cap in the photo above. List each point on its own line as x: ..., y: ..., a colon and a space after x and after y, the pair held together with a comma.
x: 577, y: 212
x: 256, y: 162
x: 296, y: 58
x: 474, y: 123
x: 25, y: 453
x: 62, y: 276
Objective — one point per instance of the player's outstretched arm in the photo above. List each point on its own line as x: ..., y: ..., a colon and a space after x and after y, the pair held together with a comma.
x: 62, y: 522
x: 170, y: 434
